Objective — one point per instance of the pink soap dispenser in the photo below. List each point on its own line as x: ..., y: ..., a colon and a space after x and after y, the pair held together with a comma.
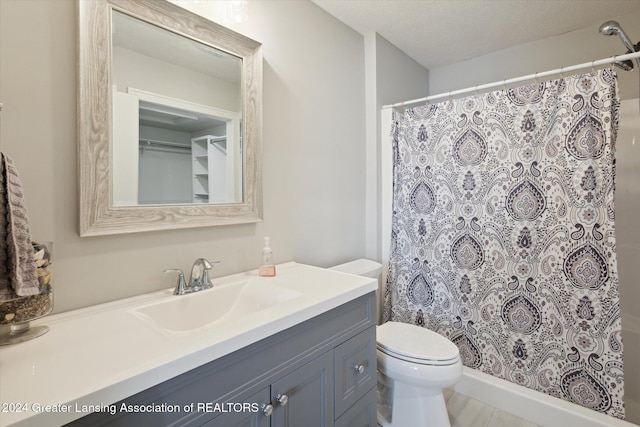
x: 267, y: 269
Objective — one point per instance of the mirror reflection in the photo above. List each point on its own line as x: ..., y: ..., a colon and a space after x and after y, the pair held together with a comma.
x: 177, y: 118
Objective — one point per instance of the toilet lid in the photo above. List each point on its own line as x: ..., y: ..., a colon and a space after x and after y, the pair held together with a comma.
x: 408, y: 341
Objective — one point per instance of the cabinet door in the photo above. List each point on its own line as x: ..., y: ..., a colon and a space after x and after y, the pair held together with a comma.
x: 249, y: 413
x: 305, y: 396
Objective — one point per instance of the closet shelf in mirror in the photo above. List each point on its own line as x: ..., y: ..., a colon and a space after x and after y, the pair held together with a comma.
x: 210, y: 138
x: 210, y: 166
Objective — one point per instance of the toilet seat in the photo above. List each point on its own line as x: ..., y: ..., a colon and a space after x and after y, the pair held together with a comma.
x: 416, y: 344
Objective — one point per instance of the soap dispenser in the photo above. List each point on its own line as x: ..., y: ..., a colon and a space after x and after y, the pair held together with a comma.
x: 267, y: 269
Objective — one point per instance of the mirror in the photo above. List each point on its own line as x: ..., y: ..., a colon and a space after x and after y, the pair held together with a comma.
x: 169, y: 119
x: 177, y: 109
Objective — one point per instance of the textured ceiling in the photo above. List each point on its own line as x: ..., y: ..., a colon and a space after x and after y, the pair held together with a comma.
x: 436, y: 33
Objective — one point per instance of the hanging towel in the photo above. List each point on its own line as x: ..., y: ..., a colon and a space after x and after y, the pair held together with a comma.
x: 18, y: 276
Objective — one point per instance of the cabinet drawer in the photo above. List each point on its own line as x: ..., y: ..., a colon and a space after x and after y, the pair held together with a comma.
x: 362, y: 414
x: 355, y: 369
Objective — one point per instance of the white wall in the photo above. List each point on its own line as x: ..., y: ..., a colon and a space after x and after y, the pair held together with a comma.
x: 163, y: 175
x: 314, y: 152
x: 132, y: 69
x: 627, y: 203
x: 575, y: 47
x: 391, y: 77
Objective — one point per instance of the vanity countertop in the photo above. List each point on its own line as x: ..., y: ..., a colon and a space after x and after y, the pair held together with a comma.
x: 101, y: 354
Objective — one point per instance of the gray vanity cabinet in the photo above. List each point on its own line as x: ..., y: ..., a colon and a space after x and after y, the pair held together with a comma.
x: 302, y: 398
x: 321, y: 372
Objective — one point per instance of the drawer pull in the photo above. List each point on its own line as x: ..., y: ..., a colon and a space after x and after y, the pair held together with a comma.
x: 282, y: 399
x: 267, y: 409
x: 359, y: 368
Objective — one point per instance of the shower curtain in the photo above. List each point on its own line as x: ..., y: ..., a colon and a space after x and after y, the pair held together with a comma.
x: 503, y: 234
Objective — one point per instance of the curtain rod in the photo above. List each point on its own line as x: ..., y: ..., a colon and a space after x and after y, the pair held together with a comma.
x: 506, y: 82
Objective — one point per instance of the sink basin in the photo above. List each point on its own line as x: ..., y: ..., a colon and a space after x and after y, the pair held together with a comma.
x: 224, y: 302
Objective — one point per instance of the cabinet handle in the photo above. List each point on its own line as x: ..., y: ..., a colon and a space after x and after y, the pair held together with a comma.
x: 359, y: 368
x: 282, y: 399
x: 267, y: 409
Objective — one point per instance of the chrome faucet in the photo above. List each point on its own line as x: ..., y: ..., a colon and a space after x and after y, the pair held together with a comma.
x: 199, y: 279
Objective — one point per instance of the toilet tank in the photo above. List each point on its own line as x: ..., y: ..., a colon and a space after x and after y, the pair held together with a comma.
x: 367, y: 268
x: 360, y: 267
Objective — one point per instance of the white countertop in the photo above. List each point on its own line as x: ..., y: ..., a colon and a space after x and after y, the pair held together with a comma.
x: 99, y: 355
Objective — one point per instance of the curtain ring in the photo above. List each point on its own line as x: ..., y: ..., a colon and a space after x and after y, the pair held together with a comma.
x: 535, y: 77
x: 562, y: 72
x: 504, y: 85
x: 593, y: 68
x: 450, y: 97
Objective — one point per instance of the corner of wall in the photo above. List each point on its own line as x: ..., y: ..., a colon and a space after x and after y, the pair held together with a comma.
x: 391, y: 76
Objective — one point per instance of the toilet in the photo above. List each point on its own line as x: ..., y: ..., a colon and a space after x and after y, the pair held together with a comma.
x: 414, y: 365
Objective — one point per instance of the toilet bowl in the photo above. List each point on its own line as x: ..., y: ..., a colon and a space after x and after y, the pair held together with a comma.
x: 414, y: 365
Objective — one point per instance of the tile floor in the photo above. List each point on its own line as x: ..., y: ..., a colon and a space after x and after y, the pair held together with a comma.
x: 467, y: 412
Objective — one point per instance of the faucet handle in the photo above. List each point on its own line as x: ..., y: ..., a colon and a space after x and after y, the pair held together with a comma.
x: 208, y: 265
x: 181, y: 285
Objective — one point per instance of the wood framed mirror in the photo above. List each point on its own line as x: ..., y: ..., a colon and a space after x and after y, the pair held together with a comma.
x: 169, y: 119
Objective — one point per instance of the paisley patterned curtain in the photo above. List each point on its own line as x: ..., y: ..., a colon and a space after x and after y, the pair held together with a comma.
x: 503, y: 234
